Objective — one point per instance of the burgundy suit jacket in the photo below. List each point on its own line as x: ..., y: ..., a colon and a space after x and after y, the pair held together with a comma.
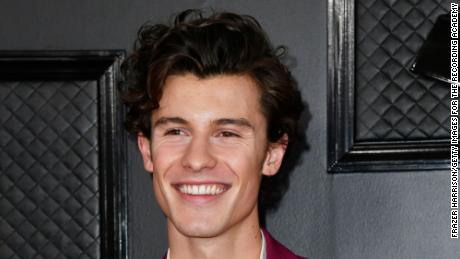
x: 275, y: 250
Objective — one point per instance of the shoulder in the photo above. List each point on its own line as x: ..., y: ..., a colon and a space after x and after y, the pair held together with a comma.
x: 275, y: 250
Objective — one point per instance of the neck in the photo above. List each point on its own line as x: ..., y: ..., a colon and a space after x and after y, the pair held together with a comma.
x: 242, y: 240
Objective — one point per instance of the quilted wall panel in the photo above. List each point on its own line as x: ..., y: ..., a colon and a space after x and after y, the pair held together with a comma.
x: 49, y: 181
x: 391, y: 102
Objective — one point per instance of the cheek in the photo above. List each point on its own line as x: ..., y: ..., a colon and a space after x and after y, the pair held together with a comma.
x: 244, y: 164
x: 241, y: 162
x: 160, y: 194
x: 164, y: 156
x: 245, y: 156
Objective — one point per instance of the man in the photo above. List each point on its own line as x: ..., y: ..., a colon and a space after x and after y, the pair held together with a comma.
x: 213, y: 109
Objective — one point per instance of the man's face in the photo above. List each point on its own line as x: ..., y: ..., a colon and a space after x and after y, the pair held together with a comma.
x: 207, y: 152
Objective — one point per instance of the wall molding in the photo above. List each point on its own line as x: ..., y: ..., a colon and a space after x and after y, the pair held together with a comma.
x: 101, y: 66
x: 345, y: 153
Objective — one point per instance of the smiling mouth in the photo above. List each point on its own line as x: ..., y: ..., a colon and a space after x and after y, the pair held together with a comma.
x: 202, y: 189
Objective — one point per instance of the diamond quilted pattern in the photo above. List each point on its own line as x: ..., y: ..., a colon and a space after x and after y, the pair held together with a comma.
x: 391, y: 102
x: 49, y: 185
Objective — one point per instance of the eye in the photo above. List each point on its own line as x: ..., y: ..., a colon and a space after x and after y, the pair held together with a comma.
x: 228, y: 134
x: 174, y: 132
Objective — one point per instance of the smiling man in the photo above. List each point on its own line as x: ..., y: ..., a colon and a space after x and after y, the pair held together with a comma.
x: 214, y: 110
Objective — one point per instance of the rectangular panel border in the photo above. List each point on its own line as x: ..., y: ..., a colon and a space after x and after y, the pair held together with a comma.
x: 345, y: 154
x: 102, y: 66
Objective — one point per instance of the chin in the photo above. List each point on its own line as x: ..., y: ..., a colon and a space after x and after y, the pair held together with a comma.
x: 198, y: 229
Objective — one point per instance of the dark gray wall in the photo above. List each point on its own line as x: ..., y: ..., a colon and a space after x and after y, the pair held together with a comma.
x: 386, y: 215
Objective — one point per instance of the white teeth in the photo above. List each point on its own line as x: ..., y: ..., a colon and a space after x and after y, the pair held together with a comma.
x: 213, y: 189
x: 203, y: 189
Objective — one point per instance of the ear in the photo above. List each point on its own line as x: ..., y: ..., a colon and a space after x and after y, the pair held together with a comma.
x: 144, y: 147
x: 275, y: 154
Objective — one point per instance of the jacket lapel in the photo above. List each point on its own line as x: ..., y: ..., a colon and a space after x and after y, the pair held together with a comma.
x: 275, y: 250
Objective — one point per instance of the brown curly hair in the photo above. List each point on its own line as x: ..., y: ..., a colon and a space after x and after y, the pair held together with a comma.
x: 223, y: 43
x: 220, y: 44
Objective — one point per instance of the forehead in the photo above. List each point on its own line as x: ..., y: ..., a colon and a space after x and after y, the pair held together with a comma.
x: 217, y: 96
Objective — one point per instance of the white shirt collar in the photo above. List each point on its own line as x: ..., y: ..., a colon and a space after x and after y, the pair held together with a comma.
x: 263, y: 249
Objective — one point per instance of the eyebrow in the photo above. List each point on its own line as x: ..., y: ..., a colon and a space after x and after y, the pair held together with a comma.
x: 241, y: 122
x: 166, y: 120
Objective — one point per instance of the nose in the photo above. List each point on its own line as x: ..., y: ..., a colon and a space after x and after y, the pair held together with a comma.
x: 198, y: 155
